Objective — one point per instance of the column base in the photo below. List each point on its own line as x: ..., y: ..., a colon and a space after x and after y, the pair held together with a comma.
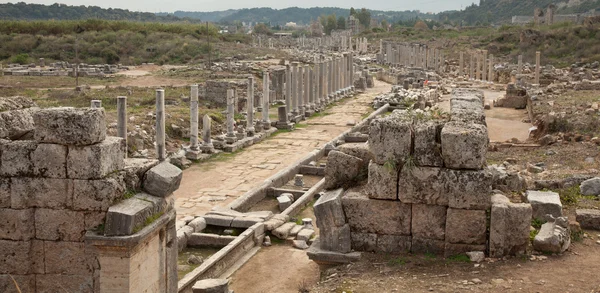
x: 230, y: 139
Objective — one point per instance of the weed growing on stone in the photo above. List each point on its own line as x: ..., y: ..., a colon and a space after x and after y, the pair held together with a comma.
x: 537, y: 223
x: 532, y: 234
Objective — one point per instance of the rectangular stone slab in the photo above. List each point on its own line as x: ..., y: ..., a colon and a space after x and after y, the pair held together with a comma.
x: 123, y: 218
x: 376, y: 216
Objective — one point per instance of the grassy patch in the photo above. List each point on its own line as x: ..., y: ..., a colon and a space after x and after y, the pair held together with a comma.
x: 398, y: 261
x: 430, y: 256
x: 537, y: 223
x: 129, y: 194
x: 459, y: 258
x: 532, y: 234
x: 148, y: 221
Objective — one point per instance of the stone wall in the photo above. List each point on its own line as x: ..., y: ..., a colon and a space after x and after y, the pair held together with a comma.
x: 60, y: 181
x: 216, y: 92
x: 428, y: 188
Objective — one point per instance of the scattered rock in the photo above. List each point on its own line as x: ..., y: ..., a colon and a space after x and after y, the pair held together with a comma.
x: 195, y: 260
x: 476, y: 256
x: 591, y: 186
x: 300, y: 244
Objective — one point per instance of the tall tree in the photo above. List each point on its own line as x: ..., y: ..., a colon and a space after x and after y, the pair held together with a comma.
x: 331, y: 24
x: 341, y: 23
x: 352, y: 11
x: 364, y: 17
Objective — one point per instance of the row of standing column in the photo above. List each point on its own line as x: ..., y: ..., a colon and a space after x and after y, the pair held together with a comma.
x: 481, y: 66
x: 412, y: 55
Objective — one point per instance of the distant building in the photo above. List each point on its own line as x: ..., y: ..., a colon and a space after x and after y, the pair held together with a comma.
x: 549, y: 17
x: 291, y: 24
x: 353, y: 24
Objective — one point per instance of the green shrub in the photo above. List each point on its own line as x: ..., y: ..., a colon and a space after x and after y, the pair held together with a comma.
x: 21, y: 59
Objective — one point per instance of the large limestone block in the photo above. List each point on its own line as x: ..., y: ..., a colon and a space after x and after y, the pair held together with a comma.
x: 464, y: 146
x: 453, y: 249
x: 199, y: 224
x: 66, y: 283
x: 465, y: 226
x: 336, y: 239
x: 126, y: 217
x: 364, y: 241
x: 26, y: 283
x: 382, y: 182
x: 211, y: 286
x: 509, y: 227
x: 341, y: 170
x: 376, y: 216
x: 97, y: 195
x: 283, y: 231
x: 468, y: 189
x: 423, y: 185
x: 134, y: 170
x: 393, y: 244
x: 70, y: 126
x: 16, y: 158
x: 4, y: 192
x: 16, y: 123
x: 544, y: 203
x: 554, y: 236
x: 588, y: 219
x: 427, y: 144
x: 97, y: 160
x: 21, y: 257
x: 17, y: 224
x: 359, y: 150
x: 69, y: 258
x: 328, y: 209
x: 162, y: 180
x: 390, y: 139
x: 429, y: 221
x: 63, y: 225
x: 50, y: 160
x: 424, y: 245
x: 41, y: 193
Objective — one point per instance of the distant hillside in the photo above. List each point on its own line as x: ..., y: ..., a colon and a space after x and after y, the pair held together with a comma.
x: 502, y: 11
x: 23, y: 11
x: 292, y: 14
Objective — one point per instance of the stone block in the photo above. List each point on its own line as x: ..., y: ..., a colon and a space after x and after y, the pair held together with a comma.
x: 26, y: 283
x: 16, y: 224
x: 382, y: 182
x: 359, y: 150
x: 212, y: 240
x: 69, y: 258
x: 553, y: 237
x: 393, y: 244
x: 97, y: 195
x: 70, y: 126
x: 328, y: 209
x: 4, y: 193
x: 341, y: 170
x: 93, y: 219
x: 50, y: 160
x: 245, y: 222
x: 469, y: 189
x: 97, y: 160
x: 41, y: 193
x: 588, y: 219
x: 283, y: 231
x: 590, y: 186
x: 21, y: 257
x: 211, y: 286
x: 427, y: 144
x: 424, y: 185
x: 464, y: 146
x: 465, y: 226
x: 424, y: 245
x: 390, y: 139
x: 15, y: 124
x: 218, y: 220
x: 429, y: 221
x: 162, y: 180
x: 16, y: 158
x: 544, y: 203
x: 364, y: 241
x: 509, y: 227
x: 63, y: 225
x: 127, y: 216
x: 322, y: 256
x: 376, y: 216
x: 336, y: 239
x: 453, y: 249
x: 51, y: 283
x: 284, y: 202
x: 134, y: 170
x: 305, y: 234
x: 199, y: 224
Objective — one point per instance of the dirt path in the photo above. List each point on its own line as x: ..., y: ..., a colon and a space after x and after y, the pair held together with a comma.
x: 218, y: 183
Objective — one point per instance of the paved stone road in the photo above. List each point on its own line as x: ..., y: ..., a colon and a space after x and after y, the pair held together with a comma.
x: 217, y: 183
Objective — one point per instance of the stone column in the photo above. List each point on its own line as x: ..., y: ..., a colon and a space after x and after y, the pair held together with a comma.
x: 471, y: 66
x: 321, y: 84
x: 461, y: 64
x: 250, y: 108
x: 207, y: 145
x: 301, y: 91
x: 311, y: 89
x: 294, y: 84
x: 537, y: 67
x: 491, y: 69
x: 520, y: 65
x: 306, y: 88
x: 288, y: 89
x: 160, y: 125
x: 265, y: 101
x: 122, y: 119
x: 194, y: 117
x: 478, y: 67
x: 484, y: 65
x: 231, y: 137
x: 96, y: 104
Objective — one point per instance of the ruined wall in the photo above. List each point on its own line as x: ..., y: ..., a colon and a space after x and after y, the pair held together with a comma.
x: 58, y: 184
x: 428, y: 189
x: 215, y: 91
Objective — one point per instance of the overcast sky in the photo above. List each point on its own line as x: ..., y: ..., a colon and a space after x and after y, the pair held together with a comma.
x: 212, y: 5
